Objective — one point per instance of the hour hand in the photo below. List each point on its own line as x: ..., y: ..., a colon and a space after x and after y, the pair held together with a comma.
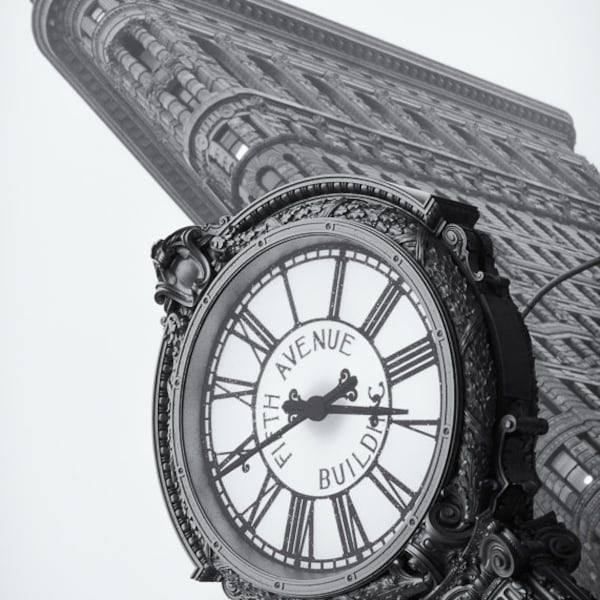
x: 317, y: 408
x: 346, y: 388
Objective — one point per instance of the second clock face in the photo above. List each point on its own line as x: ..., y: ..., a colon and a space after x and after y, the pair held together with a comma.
x: 324, y: 408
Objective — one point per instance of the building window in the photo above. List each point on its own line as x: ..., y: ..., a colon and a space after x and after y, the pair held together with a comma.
x: 547, y: 164
x: 462, y: 134
x: 579, y: 172
x: 95, y: 12
x: 137, y: 50
x: 506, y: 151
x: 568, y: 468
x: 254, y: 126
x: 378, y: 110
x: 269, y: 178
x: 231, y: 142
x: 329, y: 95
x: 175, y: 88
x: 425, y: 127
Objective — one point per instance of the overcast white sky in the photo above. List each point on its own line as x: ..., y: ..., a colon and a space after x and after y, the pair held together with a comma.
x: 81, y: 513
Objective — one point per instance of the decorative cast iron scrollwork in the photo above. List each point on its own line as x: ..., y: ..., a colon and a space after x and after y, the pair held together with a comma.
x: 182, y: 268
x: 185, y: 263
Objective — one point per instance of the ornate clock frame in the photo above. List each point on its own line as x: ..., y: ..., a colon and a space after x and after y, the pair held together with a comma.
x: 479, y: 539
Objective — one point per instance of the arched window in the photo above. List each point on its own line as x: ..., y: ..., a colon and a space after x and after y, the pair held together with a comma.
x: 269, y: 178
x: 568, y: 468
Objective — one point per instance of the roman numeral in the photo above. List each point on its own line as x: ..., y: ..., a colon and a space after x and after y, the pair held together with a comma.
x: 337, y: 287
x: 250, y: 330
x: 390, y: 486
x: 414, y: 424
x: 269, y: 490
x: 233, y: 388
x: 290, y: 297
x: 382, y: 309
x: 244, y: 447
x: 350, y: 529
x: 299, y: 531
x: 410, y: 360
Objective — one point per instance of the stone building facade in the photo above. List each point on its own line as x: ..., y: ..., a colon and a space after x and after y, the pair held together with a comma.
x: 224, y: 100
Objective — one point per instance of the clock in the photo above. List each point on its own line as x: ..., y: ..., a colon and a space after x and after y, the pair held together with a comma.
x: 328, y: 391
x: 316, y: 425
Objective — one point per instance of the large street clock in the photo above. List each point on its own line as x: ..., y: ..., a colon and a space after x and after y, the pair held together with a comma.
x: 333, y: 410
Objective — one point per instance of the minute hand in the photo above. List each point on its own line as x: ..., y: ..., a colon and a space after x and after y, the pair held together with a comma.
x: 376, y: 411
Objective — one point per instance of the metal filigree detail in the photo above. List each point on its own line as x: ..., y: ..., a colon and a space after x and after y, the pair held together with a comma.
x: 185, y: 263
x: 502, y: 555
x: 460, y: 242
x: 175, y: 327
x: 182, y: 268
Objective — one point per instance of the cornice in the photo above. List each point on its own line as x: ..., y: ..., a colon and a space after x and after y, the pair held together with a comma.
x: 409, y: 66
x: 425, y: 72
x: 55, y: 38
x: 246, y: 98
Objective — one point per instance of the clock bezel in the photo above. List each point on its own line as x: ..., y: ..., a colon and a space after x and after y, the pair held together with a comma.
x: 212, y: 527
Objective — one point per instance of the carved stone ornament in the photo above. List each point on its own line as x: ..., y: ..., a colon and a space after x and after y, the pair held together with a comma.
x: 477, y: 538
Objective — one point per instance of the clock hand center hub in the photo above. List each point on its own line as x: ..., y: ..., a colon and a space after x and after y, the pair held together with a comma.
x: 316, y: 408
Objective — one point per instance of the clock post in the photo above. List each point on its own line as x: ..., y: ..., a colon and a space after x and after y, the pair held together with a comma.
x: 345, y: 403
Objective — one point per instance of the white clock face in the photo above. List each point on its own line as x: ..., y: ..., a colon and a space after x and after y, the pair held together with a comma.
x: 324, y: 407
